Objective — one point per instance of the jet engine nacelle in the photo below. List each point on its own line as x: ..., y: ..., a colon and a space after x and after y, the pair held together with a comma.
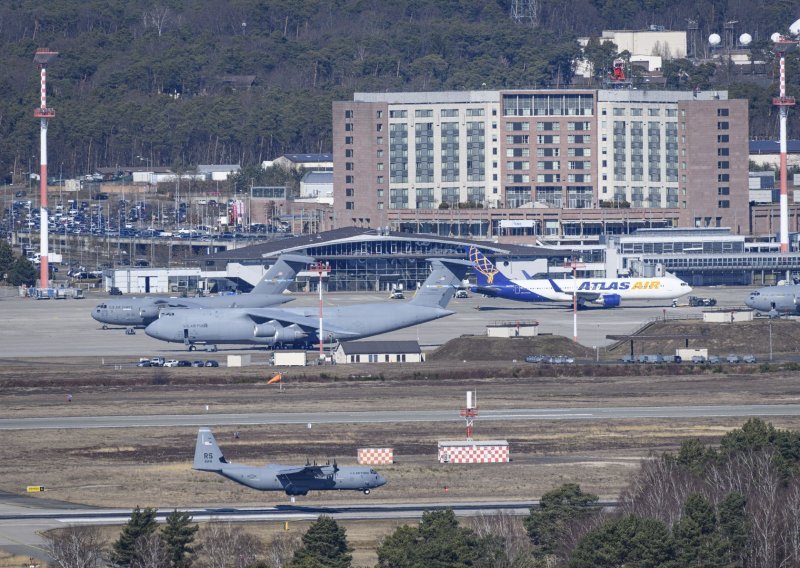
x: 289, y: 334
x: 264, y: 330
x: 609, y: 300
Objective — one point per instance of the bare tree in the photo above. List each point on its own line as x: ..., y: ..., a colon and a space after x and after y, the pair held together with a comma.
x: 224, y: 547
x: 510, y: 529
x: 157, y: 17
x: 150, y: 552
x: 75, y: 547
x: 791, y: 523
x: 280, y: 551
x: 659, y: 490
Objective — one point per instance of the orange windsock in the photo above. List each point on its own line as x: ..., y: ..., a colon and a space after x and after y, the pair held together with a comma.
x: 275, y: 379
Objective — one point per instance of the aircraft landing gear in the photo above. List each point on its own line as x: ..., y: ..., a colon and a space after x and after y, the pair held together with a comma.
x: 105, y: 326
x: 130, y: 331
x: 192, y: 347
x: 366, y: 491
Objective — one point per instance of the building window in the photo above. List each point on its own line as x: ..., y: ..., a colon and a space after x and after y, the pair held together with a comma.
x: 380, y: 179
x: 723, y: 139
x: 724, y: 204
x: 380, y: 192
x: 380, y: 166
x: 723, y: 125
x: 723, y: 190
x: 723, y: 177
x: 379, y: 128
x: 348, y: 153
x: 348, y: 114
x: 348, y: 192
x: 348, y: 179
x: 398, y: 114
x: 722, y: 112
x: 423, y: 113
x: 348, y: 139
x: 349, y: 166
x: 449, y: 113
x: 379, y: 114
x: 723, y: 151
x: 380, y: 153
x: 379, y: 141
x: 349, y: 205
x: 723, y: 165
x: 348, y: 127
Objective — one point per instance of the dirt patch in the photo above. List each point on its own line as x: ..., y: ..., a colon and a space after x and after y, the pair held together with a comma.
x: 473, y: 348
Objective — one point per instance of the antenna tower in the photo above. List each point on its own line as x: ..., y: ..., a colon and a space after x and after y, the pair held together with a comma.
x: 42, y: 57
x: 470, y: 412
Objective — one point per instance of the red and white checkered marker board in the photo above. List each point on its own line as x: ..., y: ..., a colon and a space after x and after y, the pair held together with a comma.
x: 473, y: 454
x: 375, y: 456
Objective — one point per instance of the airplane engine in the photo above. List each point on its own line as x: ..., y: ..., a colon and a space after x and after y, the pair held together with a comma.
x: 289, y: 334
x: 609, y: 300
x: 264, y: 330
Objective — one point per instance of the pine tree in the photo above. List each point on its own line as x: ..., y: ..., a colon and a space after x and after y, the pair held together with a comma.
x: 6, y: 257
x: 22, y: 272
x: 557, y: 509
x: 178, y: 534
x: 324, y: 546
x: 142, y: 523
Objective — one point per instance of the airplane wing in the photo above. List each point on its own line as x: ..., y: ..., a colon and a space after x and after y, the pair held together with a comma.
x: 307, y: 323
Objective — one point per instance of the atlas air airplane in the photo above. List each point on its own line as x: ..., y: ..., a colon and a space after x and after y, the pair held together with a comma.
x: 607, y: 292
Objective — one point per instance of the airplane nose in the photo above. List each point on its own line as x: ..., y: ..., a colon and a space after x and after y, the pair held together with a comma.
x: 381, y: 480
x: 156, y: 329
x: 749, y: 302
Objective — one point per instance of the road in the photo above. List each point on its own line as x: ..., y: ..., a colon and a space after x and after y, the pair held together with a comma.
x: 397, y: 416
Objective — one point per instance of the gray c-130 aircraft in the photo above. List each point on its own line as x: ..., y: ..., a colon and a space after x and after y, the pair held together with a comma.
x: 776, y: 301
x: 293, y: 480
x: 140, y: 312
x: 272, y: 327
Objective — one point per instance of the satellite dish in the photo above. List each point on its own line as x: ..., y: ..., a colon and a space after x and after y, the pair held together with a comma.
x: 714, y: 39
x: 795, y: 28
x: 776, y: 37
x: 745, y: 39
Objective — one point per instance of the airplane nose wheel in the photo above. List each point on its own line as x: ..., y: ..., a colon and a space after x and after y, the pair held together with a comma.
x: 192, y: 348
x: 366, y: 491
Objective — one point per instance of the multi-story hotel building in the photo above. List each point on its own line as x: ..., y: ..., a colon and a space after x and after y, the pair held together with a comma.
x: 552, y: 163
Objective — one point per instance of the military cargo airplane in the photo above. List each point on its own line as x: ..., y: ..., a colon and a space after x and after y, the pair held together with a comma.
x: 139, y: 312
x: 293, y: 480
x: 775, y: 301
x: 275, y: 327
x: 607, y: 292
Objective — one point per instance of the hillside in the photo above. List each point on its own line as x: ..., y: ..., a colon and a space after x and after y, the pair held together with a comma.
x: 179, y: 83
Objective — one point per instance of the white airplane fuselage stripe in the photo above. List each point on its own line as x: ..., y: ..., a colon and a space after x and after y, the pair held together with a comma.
x: 627, y: 288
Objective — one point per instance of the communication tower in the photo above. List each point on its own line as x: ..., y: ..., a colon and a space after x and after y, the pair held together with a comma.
x: 783, y: 102
x: 42, y: 57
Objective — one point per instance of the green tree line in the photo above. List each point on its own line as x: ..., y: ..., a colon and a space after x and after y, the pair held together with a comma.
x: 158, y: 82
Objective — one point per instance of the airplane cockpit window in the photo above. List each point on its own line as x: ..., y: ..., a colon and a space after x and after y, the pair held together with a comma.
x: 372, y: 471
x: 755, y: 294
x: 102, y: 306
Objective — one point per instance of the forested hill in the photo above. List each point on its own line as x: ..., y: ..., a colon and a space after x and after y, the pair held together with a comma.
x: 168, y: 82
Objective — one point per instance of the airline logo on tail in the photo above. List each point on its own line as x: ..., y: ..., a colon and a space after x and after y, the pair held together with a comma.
x: 482, y: 264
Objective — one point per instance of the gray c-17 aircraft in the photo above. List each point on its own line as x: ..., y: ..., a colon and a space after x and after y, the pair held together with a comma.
x: 294, y: 480
x: 300, y: 326
x: 775, y: 301
x: 140, y: 312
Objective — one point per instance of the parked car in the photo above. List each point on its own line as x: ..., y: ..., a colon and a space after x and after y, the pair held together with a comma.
x: 171, y: 363
x: 115, y: 291
x: 714, y: 360
x: 462, y: 294
x: 698, y: 359
x: 534, y: 358
x: 628, y: 359
x: 184, y: 363
x: 732, y: 358
x: 212, y: 363
x: 397, y: 295
x: 157, y: 362
x: 198, y: 364
x: 144, y: 364
x: 749, y: 358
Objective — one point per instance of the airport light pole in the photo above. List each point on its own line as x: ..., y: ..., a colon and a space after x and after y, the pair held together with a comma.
x: 320, y: 268
x: 574, y: 265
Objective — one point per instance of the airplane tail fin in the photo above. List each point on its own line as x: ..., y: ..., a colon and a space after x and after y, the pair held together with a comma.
x: 441, y: 285
x: 486, y: 273
x: 207, y: 455
x: 282, y: 273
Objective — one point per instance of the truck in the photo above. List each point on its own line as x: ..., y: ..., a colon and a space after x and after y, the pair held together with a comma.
x: 699, y: 301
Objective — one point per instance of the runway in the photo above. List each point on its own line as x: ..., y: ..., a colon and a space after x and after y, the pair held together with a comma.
x: 398, y: 416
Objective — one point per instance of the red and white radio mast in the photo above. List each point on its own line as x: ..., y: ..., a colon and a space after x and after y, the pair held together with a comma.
x: 43, y: 57
x: 783, y: 102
